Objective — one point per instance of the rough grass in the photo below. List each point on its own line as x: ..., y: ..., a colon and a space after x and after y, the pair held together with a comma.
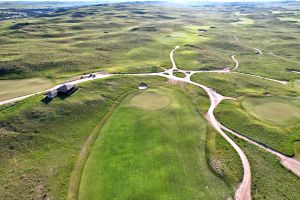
x: 269, y: 179
x: 223, y: 159
x: 297, y: 149
x: 243, y: 21
x: 159, y: 154
x: 235, y: 85
x: 179, y: 74
x: 297, y: 85
x: 67, y: 45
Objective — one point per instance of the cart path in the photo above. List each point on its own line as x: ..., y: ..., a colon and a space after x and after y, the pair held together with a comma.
x: 261, y: 77
x: 258, y: 51
x: 283, y: 58
x: 237, y: 64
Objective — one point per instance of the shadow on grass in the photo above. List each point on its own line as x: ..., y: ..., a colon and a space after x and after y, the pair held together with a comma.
x: 46, y: 100
x: 61, y: 96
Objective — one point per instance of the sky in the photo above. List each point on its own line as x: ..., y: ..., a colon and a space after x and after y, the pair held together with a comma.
x: 177, y: 1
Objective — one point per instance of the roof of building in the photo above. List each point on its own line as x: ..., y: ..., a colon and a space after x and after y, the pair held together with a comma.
x: 65, y: 87
x: 142, y: 84
x: 51, y: 92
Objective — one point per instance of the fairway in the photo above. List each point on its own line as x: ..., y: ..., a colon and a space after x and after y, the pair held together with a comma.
x: 275, y: 110
x: 14, y: 88
x: 151, y: 154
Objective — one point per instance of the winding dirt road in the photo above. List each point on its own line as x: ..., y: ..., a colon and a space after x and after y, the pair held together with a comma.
x: 237, y: 64
x: 245, y: 45
x: 261, y: 77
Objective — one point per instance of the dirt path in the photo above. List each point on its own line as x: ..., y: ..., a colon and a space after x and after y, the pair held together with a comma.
x: 294, y: 71
x: 245, y: 45
x: 237, y: 64
x: 261, y: 77
x: 283, y: 58
x: 258, y: 50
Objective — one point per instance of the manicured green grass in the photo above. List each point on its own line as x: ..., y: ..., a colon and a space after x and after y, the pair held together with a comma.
x: 14, y: 88
x: 150, y: 101
x: 146, y: 154
x: 281, y: 138
x: 40, y: 143
x: 274, y: 110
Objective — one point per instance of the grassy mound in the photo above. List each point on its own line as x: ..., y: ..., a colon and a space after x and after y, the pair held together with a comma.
x: 281, y: 111
x: 297, y: 149
x: 179, y: 74
x: 142, y: 154
x: 150, y: 100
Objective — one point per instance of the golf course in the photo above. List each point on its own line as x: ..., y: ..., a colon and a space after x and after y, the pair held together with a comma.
x: 150, y: 100
x: 159, y: 139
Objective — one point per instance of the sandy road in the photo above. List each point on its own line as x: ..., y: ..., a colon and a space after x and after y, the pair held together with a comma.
x: 237, y: 64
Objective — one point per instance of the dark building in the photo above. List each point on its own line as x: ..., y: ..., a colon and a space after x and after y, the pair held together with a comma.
x: 67, y: 89
x: 51, y: 94
x: 143, y: 86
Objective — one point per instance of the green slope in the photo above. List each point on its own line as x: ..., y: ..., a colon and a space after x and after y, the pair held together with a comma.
x: 151, y: 154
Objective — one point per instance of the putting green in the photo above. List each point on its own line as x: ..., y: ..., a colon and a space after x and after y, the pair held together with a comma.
x: 150, y: 100
x: 274, y: 110
x: 151, y: 154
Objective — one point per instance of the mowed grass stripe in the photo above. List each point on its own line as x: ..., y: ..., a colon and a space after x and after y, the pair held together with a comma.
x: 152, y: 154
